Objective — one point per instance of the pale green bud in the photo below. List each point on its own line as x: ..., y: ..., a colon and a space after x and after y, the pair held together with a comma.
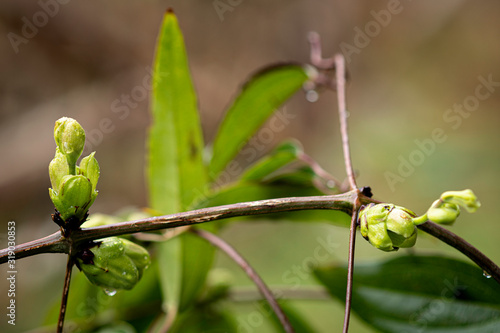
x: 58, y: 168
x: 70, y: 138
x: 90, y: 169
x: 73, y: 197
x: 388, y: 227
x: 445, y: 213
x: 114, y: 263
x: 466, y: 199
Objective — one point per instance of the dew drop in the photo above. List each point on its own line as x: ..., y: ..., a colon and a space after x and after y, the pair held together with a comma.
x: 486, y: 275
x: 312, y: 96
x: 330, y: 184
x: 110, y: 292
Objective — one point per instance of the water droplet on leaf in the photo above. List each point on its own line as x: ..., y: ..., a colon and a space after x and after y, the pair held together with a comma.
x: 486, y: 275
x: 110, y: 292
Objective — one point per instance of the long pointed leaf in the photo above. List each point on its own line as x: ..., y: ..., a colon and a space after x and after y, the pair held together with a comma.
x: 175, y: 170
x: 258, y: 99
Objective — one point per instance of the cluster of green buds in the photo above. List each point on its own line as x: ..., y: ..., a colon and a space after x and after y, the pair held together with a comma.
x: 73, y: 187
x: 389, y: 227
x: 113, y: 263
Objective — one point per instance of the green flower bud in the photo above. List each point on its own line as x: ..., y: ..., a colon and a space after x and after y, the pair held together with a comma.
x: 466, y: 199
x: 388, y: 227
x: 70, y: 138
x: 90, y: 169
x: 58, y: 168
x: 73, y: 197
x: 114, y: 263
x: 445, y: 213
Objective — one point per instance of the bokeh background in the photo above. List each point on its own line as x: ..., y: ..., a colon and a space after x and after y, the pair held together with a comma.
x: 87, y: 55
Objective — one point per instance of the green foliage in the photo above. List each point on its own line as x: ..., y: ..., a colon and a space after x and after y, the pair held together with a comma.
x: 406, y: 294
x: 176, y: 174
x: 258, y: 99
x: 418, y: 293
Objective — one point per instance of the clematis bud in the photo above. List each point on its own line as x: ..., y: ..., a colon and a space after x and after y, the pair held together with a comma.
x: 387, y: 227
x: 114, y: 263
x: 466, y: 199
x: 90, y: 169
x: 70, y: 139
x: 58, y: 168
x: 73, y: 197
x: 446, y: 213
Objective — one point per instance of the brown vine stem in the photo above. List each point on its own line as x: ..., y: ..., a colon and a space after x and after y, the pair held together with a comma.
x: 64, y: 301
x: 341, y: 98
x: 55, y: 243
x: 252, y: 274
x: 463, y: 246
x: 350, y: 270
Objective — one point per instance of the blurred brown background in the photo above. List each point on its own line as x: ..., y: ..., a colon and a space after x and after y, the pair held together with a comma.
x: 83, y: 57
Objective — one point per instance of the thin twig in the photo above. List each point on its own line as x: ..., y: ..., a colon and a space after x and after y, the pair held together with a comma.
x: 485, y: 263
x: 252, y: 274
x: 64, y: 301
x: 316, y: 56
x: 340, y: 79
x: 350, y: 270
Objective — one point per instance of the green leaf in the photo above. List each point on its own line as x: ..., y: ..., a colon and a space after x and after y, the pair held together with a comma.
x: 176, y: 174
x: 282, y: 155
x: 419, y: 293
x: 211, y: 317
x: 259, y: 97
x: 298, y: 322
x: 175, y: 166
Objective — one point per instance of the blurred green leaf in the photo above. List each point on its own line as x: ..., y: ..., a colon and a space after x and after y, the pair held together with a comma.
x: 259, y: 97
x: 210, y: 318
x: 282, y: 155
x: 176, y: 174
x: 298, y: 322
x: 419, y: 293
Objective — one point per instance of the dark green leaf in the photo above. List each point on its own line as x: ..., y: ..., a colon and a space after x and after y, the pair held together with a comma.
x: 419, y: 294
x: 258, y: 99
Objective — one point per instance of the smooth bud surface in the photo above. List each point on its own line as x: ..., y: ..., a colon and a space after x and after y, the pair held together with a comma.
x: 446, y: 213
x: 70, y: 138
x: 58, y: 168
